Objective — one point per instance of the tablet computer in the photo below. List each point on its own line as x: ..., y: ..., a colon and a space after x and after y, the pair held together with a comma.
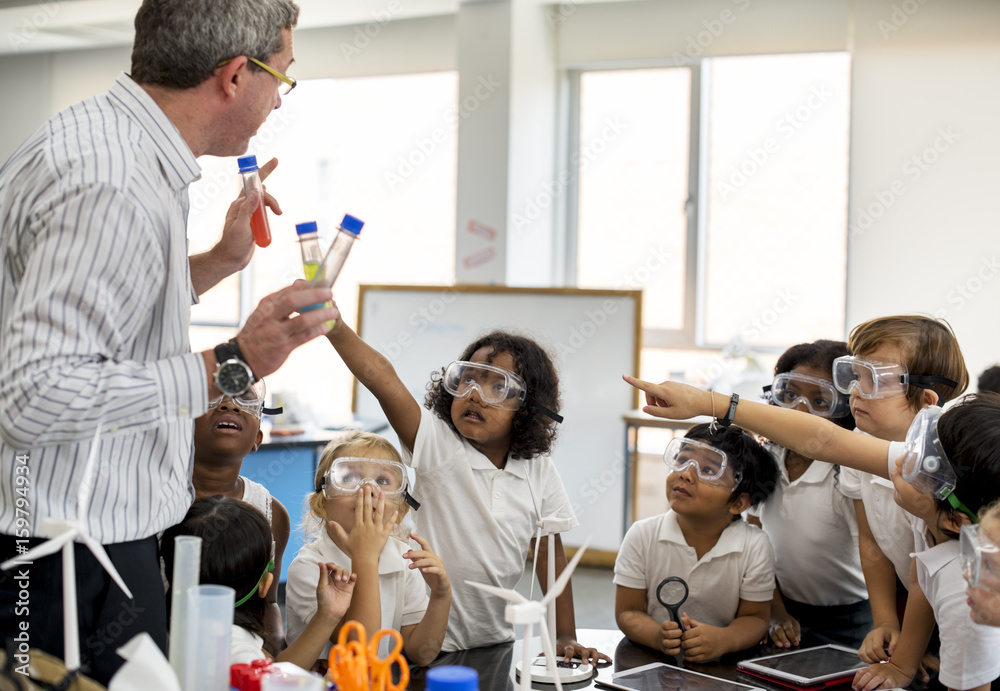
x: 809, y: 667
x: 659, y: 676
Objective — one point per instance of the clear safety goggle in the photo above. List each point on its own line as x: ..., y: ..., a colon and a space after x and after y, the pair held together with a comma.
x: 925, y: 464
x: 349, y: 474
x: 820, y: 397
x: 710, y: 463
x: 497, y: 387
x: 251, y: 403
x: 880, y: 380
x: 980, y: 558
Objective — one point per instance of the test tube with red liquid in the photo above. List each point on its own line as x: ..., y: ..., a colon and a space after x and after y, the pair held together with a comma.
x: 251, y: 183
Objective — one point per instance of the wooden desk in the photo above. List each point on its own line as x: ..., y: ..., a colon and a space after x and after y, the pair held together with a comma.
x: 634, y: 421
x: 497, y: 665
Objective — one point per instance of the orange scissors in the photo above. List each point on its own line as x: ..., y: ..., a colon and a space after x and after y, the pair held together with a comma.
x: 356, y: 666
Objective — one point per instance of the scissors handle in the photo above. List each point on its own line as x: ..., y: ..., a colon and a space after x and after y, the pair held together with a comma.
x: 381, y: 668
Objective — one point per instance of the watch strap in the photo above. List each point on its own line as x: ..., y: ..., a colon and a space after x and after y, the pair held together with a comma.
x: 731, y: 413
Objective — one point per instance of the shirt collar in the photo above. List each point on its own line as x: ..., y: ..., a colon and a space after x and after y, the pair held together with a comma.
x: 180, y: 167
x: 390, y: 560
x: 939, y: 556
x: 515, y: 466
x: 729, y: 541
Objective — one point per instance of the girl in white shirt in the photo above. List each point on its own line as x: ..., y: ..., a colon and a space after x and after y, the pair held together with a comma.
x: 237, y: 550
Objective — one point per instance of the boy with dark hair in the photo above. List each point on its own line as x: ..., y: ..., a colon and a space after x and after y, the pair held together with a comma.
x: 716, y: 473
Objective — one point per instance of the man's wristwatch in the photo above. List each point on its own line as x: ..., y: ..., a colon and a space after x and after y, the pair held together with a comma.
x: 233, y: 376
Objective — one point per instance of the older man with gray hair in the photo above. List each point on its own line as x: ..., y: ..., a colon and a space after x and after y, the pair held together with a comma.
x: 95, y: 294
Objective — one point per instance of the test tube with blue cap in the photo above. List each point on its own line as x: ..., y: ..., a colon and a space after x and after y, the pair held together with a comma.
x: 347, y: 233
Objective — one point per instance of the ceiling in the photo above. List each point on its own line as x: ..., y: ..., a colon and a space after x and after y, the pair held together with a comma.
x: 31, y: 27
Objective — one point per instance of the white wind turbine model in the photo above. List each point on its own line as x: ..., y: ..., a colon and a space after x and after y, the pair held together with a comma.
x: 64, y: 533
x: 526, y: 613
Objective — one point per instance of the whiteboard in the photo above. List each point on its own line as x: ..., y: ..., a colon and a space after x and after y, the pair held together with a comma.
x: 593, y: 337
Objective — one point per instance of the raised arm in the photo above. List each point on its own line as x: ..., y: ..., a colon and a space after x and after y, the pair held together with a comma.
x: 374, y: 371
x: 809, y: 435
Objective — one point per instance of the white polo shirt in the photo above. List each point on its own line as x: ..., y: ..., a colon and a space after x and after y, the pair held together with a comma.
x: 480, y: 520
x: 970, y: 652
x: 402, y: 591
x: 887, y: 519
x: 739, y: 567
x: 814, y: 532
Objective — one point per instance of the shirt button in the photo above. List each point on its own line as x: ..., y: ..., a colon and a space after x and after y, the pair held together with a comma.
x: 497, y: 495
x: 183, y: 411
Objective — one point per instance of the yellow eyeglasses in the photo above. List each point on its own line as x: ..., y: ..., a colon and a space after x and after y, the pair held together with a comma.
x: 288, y: 83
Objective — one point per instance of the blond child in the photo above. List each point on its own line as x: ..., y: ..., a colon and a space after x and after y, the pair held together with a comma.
x: 361, y: 496
x: 981, y: 566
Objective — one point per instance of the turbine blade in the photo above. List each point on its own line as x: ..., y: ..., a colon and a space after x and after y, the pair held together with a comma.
x: 508, y: 595
x: 567, y: 573
x: 550, y: 656
x: 98, y: 551
x: 43, y: 550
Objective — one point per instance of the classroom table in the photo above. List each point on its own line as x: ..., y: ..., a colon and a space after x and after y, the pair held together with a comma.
x: 497, y: 664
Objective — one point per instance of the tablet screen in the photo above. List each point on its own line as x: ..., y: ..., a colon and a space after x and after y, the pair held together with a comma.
x: 661, y: 677
x: 808, y: 666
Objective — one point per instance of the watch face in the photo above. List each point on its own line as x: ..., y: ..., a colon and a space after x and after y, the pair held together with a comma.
x: 233, y: 378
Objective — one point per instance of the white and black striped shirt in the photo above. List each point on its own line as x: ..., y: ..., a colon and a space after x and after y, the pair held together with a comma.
x: 95, y: 298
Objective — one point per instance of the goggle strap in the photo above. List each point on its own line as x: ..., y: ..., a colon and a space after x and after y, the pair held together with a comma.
x: 959, y: 506
x: 531, y: 400
x: 322, y: 484
x: 414, y: 504
x: 924, y: 381
x: 272, y: 411
x: 267, y: 569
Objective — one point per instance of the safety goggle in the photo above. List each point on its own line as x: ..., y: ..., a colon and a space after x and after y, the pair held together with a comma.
x: 710, y: 463
x: 925, y: 464
x: 880, y: 380
x: 349, y: 474
x: 251, y: 403
x: 980, y: 558
x: 497, y: 387
x: 820, y: 397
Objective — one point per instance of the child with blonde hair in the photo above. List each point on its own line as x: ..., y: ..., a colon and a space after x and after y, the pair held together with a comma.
x: 981, y: 566
x: 362, y: 494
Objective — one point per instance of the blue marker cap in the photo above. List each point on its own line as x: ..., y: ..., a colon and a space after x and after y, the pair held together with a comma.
x: 452, y: 678
x: 307, y: 227
x: 351, y: 224
x: 247, y: 163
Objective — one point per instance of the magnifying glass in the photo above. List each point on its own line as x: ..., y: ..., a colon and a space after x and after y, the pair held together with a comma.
x: 672, y: 592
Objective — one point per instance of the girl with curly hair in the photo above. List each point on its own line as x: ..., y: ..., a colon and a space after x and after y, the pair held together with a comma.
x: 479, y: 448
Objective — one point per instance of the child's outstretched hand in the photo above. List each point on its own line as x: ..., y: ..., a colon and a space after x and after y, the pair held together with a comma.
x: 672, y: 400
x: 702, y: 642
x: 431, y: 567
x: 370, y: 531
x: 670, y: 637
x: 333, y: 591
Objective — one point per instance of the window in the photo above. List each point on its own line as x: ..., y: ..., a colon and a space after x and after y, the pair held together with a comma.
x: 382, y: 149
x: 721, y: 191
